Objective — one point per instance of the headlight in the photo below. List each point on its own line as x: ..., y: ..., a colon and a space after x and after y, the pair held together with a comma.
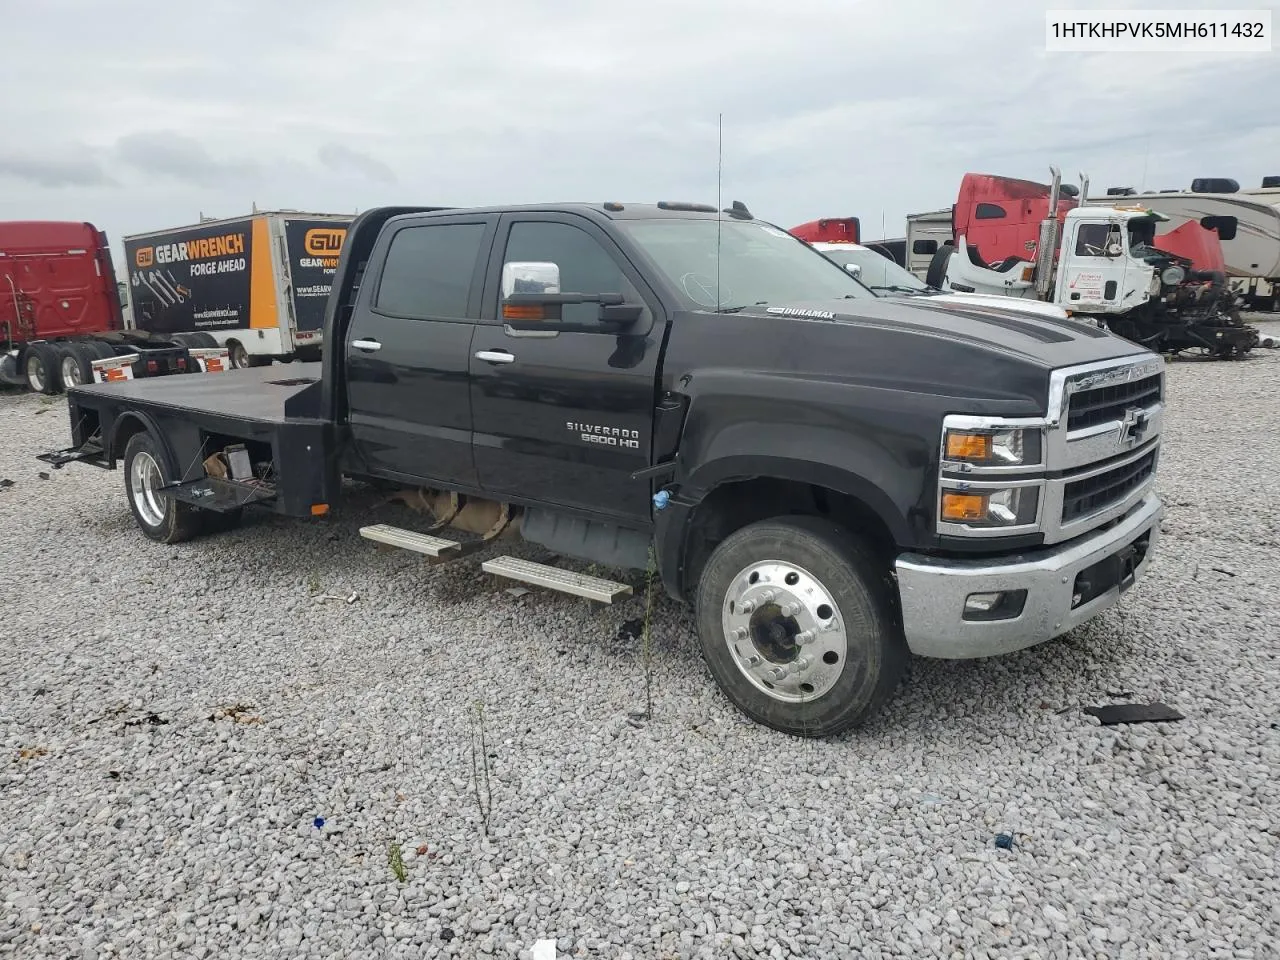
x: 1173, y: 276
x: 1010, y: 507
x: 993, y: 448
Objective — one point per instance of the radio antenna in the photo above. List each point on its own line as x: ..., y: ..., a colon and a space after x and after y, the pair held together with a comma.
x: 719, y: 212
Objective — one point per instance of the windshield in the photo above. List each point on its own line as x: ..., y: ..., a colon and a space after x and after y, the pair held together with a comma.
x: 1142, y: 236
x: 879, y: 274
x: 758, y: 264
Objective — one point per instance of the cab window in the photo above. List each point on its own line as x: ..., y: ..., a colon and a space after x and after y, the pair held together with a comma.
x: 1098, y: 240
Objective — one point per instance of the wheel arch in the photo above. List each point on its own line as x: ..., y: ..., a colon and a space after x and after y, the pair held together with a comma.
x: 775, y: 488
x: 129, y: 423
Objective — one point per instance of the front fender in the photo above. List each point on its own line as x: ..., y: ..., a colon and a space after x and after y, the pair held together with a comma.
x: 885, y: 462
x: 879, y: 445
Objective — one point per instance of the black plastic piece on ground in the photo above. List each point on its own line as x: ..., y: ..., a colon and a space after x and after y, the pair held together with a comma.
x: 1134, y: 713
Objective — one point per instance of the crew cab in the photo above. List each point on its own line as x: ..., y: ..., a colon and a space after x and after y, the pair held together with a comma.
x: 831, y: 480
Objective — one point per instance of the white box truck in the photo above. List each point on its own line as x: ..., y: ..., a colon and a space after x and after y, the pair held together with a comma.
x: 256, y: 285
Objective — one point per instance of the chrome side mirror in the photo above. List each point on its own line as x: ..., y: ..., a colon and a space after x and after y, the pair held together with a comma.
x: 530, y: 277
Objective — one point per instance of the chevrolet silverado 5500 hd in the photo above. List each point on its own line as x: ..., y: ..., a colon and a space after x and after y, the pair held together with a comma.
x: 832, y: 480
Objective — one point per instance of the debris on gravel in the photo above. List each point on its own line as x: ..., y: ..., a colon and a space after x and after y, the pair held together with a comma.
x: 202, y: 760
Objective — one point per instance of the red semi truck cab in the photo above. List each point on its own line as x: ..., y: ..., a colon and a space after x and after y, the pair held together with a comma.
x: 829, y: 230
x: 61, y: 318
x: 56, y: 281
x: 1000, y: 218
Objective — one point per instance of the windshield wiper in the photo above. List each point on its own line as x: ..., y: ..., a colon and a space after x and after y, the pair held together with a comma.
x: 758, y: 303
x: 894, y: 288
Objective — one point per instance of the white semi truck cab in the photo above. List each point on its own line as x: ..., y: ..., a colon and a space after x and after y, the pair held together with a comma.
x: 1100, y: 263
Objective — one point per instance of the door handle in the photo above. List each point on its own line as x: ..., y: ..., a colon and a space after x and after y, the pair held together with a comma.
x: 366, y: 345
x: 495, y: 356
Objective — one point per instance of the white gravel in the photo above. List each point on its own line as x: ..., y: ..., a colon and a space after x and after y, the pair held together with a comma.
x: 175, y: 718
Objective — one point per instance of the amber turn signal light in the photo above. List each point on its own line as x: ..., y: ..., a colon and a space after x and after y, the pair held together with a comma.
x: 961, y: 507
x: 521, y: 311
x: 968, y: 446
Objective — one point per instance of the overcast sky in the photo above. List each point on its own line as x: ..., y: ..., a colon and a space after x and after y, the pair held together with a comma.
x: 138, y: 115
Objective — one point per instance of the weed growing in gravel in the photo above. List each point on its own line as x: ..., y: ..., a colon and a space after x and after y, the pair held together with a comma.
x: 480, y: 767
x: 646, y: 645
x: 397, y: 862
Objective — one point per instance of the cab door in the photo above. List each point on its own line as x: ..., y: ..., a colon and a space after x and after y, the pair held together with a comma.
x: 408, y: 349
x: 565, y: 418
x: 1093, y: 274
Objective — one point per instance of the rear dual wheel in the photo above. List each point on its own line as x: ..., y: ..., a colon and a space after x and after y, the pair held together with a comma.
x: 798, y: 626
x: 75, y: 363
x: 40, y: 369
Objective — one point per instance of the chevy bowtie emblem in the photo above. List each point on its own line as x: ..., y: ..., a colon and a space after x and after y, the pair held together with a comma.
x: 1133, y: 426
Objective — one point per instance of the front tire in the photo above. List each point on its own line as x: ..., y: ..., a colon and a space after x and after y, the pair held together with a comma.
x: 160, y: 516
x: 798, y: 626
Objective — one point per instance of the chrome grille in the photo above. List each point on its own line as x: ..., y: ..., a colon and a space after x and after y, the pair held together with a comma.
x: 1082, y: 498
x: 1088, y: 408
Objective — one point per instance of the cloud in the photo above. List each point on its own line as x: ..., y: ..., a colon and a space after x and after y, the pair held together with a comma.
x: 831, y: 107
x: 170, y: 154
x: 54, y: 172
x: 341, y: 159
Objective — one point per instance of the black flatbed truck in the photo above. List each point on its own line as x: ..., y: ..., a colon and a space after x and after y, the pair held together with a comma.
x: 833, y: 480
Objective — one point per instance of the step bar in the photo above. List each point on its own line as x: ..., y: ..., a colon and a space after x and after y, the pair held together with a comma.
x: 411, y: 540
x: 512, y: 568
x: 553, y: 578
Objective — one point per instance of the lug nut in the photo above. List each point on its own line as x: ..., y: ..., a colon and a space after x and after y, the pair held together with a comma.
x: 791, y: 609
x: 741, y: 633
x: 747, y: 606
x: 805, y: 636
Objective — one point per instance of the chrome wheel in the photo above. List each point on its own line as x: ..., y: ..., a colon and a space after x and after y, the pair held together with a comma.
x: 145, y: 479
x: 71, y: 371
x: 784, y: 630
x: 35, y: 373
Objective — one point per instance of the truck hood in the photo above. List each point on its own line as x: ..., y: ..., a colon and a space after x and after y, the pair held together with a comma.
x: 1046, y: 340
x: 1017, y: 305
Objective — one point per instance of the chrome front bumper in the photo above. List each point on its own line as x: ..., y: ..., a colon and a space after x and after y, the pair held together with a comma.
x: 934, y: 591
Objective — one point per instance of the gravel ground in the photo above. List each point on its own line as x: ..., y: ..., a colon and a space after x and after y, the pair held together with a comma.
x: 174, y: 720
